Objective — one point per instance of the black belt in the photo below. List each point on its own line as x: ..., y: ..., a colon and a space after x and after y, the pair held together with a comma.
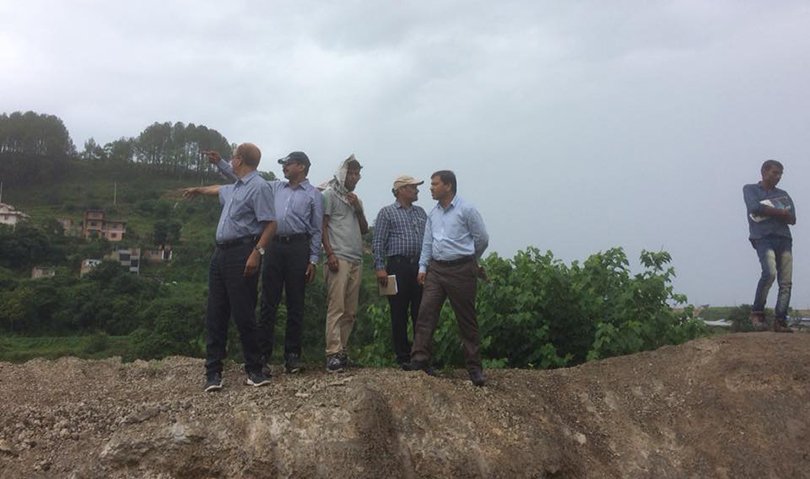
x: 403, y: 259
x: 238, y: 242
x: 455, y: 262
x: 292, y: 238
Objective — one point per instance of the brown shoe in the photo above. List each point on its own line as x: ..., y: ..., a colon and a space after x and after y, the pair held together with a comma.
x: 780, y: 326
x: 758, y: 321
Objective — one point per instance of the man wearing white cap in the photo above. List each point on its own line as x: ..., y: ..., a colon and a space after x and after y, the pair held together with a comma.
x: 397, y: 244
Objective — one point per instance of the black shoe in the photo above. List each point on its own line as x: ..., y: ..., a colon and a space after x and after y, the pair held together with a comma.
x: 344, y: 360
x: 292, y: 364
x: 257, y: 379
x: 334, y: 364
x: 477, y: 377
x: 413, y: 365
x: 213, y: 382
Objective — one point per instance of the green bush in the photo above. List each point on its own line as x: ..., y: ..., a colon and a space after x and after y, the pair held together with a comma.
x: 172, y: 326
x: 535, y: 311
x: 96, y: 343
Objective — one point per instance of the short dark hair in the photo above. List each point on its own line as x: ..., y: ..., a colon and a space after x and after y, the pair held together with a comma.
x: 770, y: 164
x: 448, y: 178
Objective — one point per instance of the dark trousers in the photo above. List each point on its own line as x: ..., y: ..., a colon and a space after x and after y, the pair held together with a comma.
x: 409, y: 296
x: 459, y: 284
x: 231, y: 294
x: 284, y: 268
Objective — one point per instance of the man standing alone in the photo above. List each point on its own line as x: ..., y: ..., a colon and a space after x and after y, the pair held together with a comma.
x: 344, y: 225
x: 770, y: 211
x: 455, y: 238
x: 246, y: 225
x: 398, y: 233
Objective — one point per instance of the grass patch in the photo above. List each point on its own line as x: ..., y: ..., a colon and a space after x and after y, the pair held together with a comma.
x: 18, y: 349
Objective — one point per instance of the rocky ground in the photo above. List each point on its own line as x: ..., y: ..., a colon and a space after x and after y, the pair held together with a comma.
x: 729, y: 406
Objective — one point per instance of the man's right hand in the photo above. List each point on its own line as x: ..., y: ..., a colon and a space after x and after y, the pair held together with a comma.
x: 420, y: 278
x: 213, y: 156
x: 382, y: 277
x: 210, y: 190
x: 189, y: 193
x: 332, y: 263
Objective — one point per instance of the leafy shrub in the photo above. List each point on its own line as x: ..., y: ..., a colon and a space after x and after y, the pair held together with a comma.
x: 173, y: 326
x: 96, y: 343
x: 535, y: 311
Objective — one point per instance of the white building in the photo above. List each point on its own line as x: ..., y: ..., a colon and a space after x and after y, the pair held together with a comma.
x: 10, y: 216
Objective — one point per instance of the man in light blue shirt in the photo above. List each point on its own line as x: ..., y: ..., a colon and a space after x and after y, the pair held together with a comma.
x: 290, y: 261
x: 246, y: 226
x: 455, y: 238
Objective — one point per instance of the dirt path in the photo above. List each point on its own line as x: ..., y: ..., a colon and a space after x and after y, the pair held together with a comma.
x: 730, y: 406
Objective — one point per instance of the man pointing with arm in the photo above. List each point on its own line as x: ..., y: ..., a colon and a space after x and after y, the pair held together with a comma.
x: 246, y: 226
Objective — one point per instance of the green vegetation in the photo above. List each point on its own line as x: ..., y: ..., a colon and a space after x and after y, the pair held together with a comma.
x: 534, y: 310
x: 95, y: 346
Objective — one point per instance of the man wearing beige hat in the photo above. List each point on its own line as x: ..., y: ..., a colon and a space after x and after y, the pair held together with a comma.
x: 397, y: 244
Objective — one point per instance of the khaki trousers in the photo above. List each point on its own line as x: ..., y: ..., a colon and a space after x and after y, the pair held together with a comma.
x: 342, y: 292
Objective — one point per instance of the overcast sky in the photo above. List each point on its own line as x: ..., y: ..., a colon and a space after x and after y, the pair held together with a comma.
x: 574, y: 126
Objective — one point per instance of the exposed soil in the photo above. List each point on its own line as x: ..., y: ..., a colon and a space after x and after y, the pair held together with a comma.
x: 732, y: 406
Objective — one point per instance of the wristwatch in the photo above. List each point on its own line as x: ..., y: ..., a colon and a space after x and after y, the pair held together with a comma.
x: 259, y: 249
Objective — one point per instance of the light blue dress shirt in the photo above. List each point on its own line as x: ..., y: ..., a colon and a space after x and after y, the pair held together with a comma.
x: 452, y: 233
x: 298, y: 210
x: 246, y: 204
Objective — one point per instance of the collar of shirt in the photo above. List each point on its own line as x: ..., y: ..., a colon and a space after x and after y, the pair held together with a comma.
x: 304, y: 185
x: 453, y: 203
x: 247, y: 177
x: 399, y: 205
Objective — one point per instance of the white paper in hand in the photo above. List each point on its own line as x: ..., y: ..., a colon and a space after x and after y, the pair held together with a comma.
x: 389, y: 289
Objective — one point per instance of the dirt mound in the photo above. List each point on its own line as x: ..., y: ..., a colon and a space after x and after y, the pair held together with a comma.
x: 729, y: 406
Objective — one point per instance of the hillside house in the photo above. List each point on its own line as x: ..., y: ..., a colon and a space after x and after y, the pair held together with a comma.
x: 96, y: 225
x: 128, y: 257
x: 38, y: 272
x: 10, y: 216
x: 70, y: 227
x: 158, y: 255
x: 88, y: 265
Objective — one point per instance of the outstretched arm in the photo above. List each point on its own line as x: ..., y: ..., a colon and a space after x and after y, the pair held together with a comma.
x: 210, y: 190
x: 223, y: 166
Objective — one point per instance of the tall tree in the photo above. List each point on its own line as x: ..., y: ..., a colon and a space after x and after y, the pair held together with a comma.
x: 28, y: 139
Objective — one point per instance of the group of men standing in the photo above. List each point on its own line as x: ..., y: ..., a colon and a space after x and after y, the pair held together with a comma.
x: 279, y: 227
